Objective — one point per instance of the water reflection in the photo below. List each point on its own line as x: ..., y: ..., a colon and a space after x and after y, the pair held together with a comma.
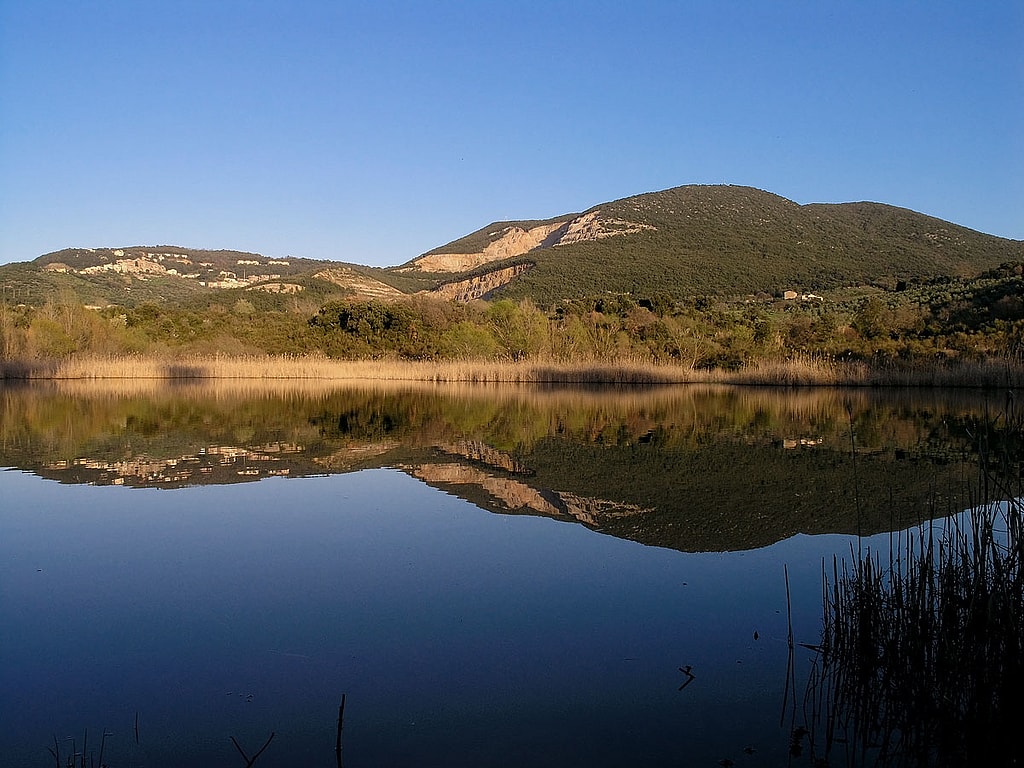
x: 694, y: 469
x: 216, y: 606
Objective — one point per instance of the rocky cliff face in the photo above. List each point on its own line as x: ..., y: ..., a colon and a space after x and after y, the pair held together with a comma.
x: 594, y: 226
x: 510, y: 242
x: 480, y: 286
x: 514, y: 241
x: 362, y: 286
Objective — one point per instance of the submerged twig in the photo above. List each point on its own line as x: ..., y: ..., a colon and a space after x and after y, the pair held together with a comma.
x: 690, y: 677
x: 341, y: 724
x: 249, y: 761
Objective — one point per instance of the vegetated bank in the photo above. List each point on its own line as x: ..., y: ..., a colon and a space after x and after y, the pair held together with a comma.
x: 945, y: 332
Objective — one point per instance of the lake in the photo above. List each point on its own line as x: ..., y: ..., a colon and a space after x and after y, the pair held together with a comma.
x: 490, y: 575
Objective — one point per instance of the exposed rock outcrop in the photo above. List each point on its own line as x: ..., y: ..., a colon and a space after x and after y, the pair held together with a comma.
x: 515, y: 241
x: 592, y: 226
x: 278, y: 288
x: 512, y: 241
x: 480, y: 286
x: 127, y: 267
x: 361, y: 285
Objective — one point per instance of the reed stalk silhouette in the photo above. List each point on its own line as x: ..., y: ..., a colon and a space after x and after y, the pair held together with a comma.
x: 921, y: 660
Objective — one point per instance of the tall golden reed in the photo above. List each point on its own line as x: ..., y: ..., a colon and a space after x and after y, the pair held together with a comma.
x: 797, y: 371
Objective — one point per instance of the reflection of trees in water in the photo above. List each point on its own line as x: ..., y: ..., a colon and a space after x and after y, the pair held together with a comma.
x: 921, y: 661
x: 71, y: 417
x: 714, y: 467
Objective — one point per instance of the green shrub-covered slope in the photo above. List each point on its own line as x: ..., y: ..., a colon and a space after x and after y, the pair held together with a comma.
x: 731, y: 240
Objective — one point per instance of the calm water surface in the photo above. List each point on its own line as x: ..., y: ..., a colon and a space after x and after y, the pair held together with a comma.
x: 491, y: 577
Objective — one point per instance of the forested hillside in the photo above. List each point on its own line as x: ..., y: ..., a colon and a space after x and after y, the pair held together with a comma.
x: 729, y: 241
x: 702, y: 277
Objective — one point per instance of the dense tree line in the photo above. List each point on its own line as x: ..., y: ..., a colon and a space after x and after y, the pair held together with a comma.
x: 945, y: 319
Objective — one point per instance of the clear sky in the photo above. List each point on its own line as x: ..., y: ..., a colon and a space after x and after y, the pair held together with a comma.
x: 373, y: 131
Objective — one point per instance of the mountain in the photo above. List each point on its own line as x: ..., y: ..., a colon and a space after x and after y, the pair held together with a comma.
x: 707, y: 240
x: 130, y: 276
x: 681, y: 242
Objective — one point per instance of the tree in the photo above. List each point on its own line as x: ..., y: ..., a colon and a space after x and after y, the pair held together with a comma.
x: 873, y: 319
x: 521, y: 330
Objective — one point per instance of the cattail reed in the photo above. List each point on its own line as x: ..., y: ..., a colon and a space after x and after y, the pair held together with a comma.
x: 921, y: 661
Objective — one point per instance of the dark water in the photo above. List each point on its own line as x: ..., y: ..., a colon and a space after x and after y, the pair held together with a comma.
x: 492, y: 577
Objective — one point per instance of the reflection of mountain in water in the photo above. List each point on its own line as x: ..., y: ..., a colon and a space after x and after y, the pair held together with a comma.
x: 494, y: 473
x: 688, y: 468
x: 215, y: 464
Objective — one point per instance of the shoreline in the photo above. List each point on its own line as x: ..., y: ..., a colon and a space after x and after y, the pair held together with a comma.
x: 809, y: 372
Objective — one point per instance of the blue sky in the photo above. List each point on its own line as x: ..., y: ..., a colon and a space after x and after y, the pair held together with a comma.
x: 373, y: 131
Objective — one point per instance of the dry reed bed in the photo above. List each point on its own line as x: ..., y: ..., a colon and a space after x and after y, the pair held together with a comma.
x: 801, y: 371
x: 322, y: 368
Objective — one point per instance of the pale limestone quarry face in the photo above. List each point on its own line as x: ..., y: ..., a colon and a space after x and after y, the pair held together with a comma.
x: 479, y: 286
x: 515, y: 241
x: 362, y: 286
x: 592, y: 226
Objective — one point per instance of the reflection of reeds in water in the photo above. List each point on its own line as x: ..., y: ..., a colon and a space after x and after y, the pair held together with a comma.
x: 78, y: 758
x: 779, y: 406
x: 68, y: 418
x: 922, y: 655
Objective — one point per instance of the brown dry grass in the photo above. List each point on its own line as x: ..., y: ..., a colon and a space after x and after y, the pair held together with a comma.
x: 803, y: 371
x: 322, y: 368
